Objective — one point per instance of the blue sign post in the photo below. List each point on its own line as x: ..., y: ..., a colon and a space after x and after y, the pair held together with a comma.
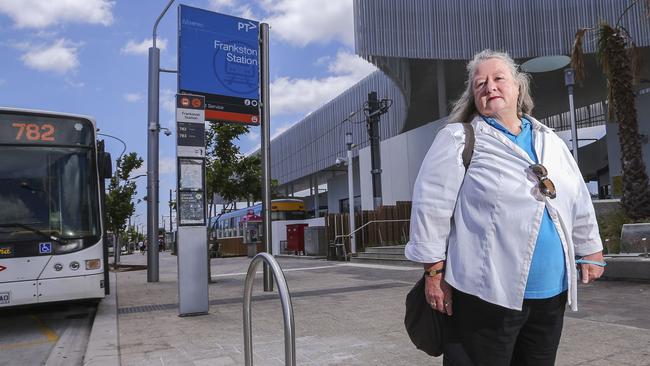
x: 219, y: 57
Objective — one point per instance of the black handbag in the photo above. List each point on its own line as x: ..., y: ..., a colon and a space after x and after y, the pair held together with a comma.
x: 425, y: 326
x: 429, y: 329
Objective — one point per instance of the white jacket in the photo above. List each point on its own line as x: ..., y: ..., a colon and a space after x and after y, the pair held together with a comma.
x: 497, y: 211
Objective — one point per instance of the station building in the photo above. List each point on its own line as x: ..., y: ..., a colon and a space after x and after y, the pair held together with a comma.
x: 420, y: 48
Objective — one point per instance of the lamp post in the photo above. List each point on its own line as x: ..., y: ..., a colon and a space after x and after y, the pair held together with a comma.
x: 118, y: 139
x: 552, y: 63
x: 569, y: 81
x: 349, y: 144
x: 116, y: 245
x: 153, y: 126
x: 130, y: 230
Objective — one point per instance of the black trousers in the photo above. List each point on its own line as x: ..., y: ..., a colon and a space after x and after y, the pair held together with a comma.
x: 486, y: 334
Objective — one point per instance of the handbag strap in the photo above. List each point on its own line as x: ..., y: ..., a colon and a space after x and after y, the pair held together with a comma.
x: 468, y: 150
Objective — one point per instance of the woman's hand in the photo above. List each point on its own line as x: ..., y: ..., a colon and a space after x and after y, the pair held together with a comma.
x: 438, y: 293
x: 591, y: 272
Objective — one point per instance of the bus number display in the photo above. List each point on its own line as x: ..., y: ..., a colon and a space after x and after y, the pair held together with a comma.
x: 34, y: 132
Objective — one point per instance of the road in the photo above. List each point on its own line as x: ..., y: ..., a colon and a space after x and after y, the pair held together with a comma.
x: 49, y: 334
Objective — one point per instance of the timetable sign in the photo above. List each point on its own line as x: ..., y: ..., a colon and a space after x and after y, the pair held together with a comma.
x: 190, y: 125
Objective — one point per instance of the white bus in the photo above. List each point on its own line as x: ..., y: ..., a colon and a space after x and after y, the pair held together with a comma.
x: 51, y: 246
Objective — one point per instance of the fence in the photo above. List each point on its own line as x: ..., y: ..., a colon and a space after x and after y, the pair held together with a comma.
x: 376, y: 233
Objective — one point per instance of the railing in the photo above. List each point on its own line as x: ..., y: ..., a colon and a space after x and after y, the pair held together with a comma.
x: 341, y: 236
x: 389, y: 226
x: 341, y: 244
x: 287, y: 309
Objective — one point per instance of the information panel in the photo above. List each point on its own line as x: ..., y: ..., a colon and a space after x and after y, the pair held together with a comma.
x: 218, y: 57
x: 191, y: 208
x: 191, y: 196
x: 191, y: 174
x: 190, y: 125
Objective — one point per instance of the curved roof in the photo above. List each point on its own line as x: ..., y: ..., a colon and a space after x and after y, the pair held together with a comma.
x: 457, y: 29
x: 314, y: 143
x: 405, y: 38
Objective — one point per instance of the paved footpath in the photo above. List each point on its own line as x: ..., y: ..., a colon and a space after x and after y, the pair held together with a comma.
x: 345, y: 314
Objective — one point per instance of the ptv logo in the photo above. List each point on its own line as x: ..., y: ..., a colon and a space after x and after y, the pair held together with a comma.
x: 246, y: 26
x: 2, y: 268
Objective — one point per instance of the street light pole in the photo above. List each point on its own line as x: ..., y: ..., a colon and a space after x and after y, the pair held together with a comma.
x: 569, y: 81
x: 266, y: 153
x: 153, y: 153
x: 116, y: 243
x: 171, y: 228
x: 348, y: 142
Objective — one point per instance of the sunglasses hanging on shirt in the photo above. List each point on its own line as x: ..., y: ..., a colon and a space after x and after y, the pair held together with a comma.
x: 546, y: 186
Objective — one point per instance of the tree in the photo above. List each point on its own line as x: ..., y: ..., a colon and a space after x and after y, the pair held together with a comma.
x: 119, y: 205
x: 223, y: 160
x: 618, y: 57
x: 230, y: 174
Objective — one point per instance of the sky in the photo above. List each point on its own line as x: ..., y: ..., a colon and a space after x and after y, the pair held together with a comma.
x: 90, y: 57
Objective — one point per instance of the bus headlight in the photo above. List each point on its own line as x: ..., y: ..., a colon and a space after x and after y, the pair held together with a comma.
x: 93, y: 264
x: 69, y: 246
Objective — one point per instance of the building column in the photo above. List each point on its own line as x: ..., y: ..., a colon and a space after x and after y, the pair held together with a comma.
x: 316, y: 203
x: 442, y: 90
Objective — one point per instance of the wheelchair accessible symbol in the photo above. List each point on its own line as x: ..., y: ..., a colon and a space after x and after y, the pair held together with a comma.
x: 45, y: 248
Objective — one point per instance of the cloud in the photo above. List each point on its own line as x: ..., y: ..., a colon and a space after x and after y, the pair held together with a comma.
x: 60, y: 57
x: 300, y: 22
x: 44, y: 13
x: 253, y: 136
x: 168, y: 100
x: 142, y: 48
x: 277, y: 131
x: 347, y: 63
x: 133, y: 97
x: 293, y: 95
x: 167, y: 165
x: 232, y: 7
x: 74, y: 84
x: 220, y: 5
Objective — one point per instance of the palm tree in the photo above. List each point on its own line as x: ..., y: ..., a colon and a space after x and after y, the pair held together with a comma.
x: 618, y: 56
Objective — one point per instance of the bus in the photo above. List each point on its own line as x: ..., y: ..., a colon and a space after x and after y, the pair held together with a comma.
x: 231, y: 224
x: 51, y: 237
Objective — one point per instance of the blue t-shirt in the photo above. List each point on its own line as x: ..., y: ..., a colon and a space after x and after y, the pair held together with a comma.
x: 547, y: 274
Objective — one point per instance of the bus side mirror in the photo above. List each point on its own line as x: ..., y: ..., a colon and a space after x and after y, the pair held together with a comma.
x: 105, y: 165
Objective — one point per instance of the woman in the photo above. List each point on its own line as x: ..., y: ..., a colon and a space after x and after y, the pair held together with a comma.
x: 499, y: 241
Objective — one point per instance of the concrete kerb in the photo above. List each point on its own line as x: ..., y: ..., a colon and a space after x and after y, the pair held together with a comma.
x: 103, y: 343
x: 621, y: 267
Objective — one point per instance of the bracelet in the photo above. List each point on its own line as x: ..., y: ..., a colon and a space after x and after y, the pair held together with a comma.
x: 434, y: 272
x: 585, y: 261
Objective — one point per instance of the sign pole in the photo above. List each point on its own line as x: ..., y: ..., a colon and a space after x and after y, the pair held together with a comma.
x: 152, y: 165
x: 190, y: 210
x: 266, y: 151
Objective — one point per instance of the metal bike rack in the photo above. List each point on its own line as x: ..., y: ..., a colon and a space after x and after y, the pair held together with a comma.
x: 287, y: 309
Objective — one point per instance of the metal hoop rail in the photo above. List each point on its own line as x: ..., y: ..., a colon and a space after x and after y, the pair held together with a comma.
x: 287, y: 309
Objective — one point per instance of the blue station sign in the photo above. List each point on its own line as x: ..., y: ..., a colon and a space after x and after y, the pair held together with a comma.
x: 219, y: 57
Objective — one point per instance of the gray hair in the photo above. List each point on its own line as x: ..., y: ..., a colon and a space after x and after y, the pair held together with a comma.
x: 465, y: 107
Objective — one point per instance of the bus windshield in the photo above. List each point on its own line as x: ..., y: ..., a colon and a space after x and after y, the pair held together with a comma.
x: 49, y: 191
